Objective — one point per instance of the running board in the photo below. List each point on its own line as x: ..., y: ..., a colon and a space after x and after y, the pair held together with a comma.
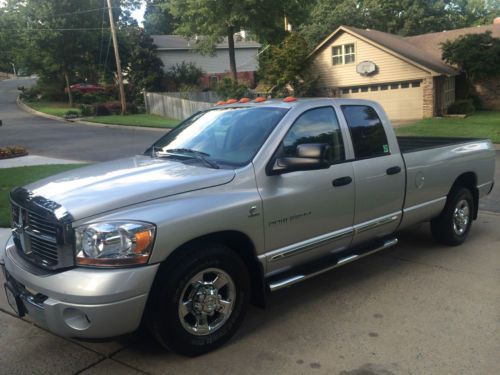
x: 277, y: 283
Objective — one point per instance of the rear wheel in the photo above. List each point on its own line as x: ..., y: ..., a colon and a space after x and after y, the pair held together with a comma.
x: 199, y: 302
x: 452, y: 226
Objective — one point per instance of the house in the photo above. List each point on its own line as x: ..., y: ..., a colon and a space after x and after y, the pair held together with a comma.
x: 174, y: 49
x: 405, y: 75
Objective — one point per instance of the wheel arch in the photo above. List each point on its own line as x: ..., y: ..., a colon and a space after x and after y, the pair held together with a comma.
x: 468, y: 180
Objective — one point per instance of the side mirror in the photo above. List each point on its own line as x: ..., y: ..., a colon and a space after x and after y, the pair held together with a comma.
x: 309, y: 156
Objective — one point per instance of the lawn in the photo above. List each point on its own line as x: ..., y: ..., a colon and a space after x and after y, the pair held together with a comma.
x: 19, y: 176
x: 144, y: 120
x: 52, y: 108
x: 485, y: 124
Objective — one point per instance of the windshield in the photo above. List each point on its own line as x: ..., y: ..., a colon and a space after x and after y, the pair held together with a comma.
x: 229, y: 136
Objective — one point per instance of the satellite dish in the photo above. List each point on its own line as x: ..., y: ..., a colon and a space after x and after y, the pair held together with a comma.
x: 366, y: 68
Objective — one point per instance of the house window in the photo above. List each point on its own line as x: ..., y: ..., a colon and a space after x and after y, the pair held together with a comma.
x: 345, y: 91
x: 405, y: 85
x: 364, y: 89
x: 343, y: 54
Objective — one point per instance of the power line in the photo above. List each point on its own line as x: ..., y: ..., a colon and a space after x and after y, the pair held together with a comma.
x: 76, y: 29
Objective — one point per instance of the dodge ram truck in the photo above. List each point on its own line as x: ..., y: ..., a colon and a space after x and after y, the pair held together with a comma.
x: 235, y: 202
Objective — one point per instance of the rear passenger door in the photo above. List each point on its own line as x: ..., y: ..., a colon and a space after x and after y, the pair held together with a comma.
x: 379, y: 175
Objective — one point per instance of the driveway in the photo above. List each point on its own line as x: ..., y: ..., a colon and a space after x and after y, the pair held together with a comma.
x: 417, y: 308
x: 64, y: 139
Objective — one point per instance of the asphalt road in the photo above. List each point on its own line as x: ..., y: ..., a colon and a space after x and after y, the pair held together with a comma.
x: 62, y: 139
x: 417, y: 308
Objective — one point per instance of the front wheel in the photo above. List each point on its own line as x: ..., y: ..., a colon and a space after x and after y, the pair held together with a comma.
x: 199, y: 302
x: 452, y: 226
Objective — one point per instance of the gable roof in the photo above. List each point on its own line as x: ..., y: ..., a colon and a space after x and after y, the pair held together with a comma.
x: 397, y: 45
x: 431, y: 43
x: 178, y: 42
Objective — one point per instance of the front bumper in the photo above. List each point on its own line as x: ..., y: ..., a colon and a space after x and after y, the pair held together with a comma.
x: 81, y: 302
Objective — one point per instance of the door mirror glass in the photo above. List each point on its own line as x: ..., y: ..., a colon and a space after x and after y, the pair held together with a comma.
x: 309, y: 156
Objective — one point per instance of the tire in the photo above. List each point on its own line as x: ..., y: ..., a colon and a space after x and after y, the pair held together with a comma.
x: 452, y: 226
x: 211, y: 310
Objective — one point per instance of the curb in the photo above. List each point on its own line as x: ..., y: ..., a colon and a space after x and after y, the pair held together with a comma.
x: 28, y: 109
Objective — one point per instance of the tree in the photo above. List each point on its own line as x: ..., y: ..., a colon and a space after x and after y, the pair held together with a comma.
x: 477, y: 55
x: 157, y: 18
x: 286, y: 65
x: 218, y: 19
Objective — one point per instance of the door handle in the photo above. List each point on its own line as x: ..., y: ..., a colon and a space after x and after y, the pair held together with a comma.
x: 393, y: 170
x: 341, y: 181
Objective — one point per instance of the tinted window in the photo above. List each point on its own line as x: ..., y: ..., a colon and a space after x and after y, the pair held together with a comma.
x: 367, y: 133
x: 316, y: 126
x: 227, y: 135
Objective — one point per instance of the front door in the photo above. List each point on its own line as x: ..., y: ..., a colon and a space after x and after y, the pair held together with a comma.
x: 305, y: 215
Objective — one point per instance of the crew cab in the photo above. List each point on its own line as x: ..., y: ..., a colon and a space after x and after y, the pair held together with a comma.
x: 235, y: 202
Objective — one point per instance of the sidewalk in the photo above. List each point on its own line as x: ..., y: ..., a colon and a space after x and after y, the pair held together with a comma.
x: 29, y: 160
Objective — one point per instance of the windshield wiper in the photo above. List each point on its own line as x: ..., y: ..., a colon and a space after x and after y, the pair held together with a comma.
x: 199, y: 155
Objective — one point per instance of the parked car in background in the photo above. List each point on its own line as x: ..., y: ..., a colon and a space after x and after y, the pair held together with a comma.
x: 85, y: 88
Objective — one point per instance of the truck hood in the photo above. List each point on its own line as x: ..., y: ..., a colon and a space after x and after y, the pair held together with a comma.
x: 107, y: 186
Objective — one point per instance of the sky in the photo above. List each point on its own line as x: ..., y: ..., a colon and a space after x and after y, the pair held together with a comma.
x: 139, y: 13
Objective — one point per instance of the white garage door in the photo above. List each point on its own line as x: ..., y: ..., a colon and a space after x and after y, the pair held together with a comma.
x: 401, y: 100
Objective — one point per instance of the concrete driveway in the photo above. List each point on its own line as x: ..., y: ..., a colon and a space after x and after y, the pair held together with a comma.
x: 63, y: 139
x: 418, y: 308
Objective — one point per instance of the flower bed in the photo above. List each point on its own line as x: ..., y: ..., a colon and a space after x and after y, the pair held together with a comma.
x: 8, y: 152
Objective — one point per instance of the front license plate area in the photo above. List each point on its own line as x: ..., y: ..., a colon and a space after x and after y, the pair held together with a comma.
x: 14, y: 300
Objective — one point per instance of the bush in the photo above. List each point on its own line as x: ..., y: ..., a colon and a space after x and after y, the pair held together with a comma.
x: 72, y: 114
x: 184, y: 74
x: 87, y: 110
x: 89, y: 98
x: 227, y: 88
x: 102, y: 110
x: 461, y: 107
x: 12, y: 151
x: 30, y: 95
x: 476, y: 101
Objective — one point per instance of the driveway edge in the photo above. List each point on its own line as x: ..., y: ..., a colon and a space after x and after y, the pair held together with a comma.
x: 28, y: 109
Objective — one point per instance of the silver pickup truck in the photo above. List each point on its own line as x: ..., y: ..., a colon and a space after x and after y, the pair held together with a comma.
x: 236, y: 201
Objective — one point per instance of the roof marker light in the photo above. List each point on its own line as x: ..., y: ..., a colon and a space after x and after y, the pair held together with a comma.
x: 244, y: 100
x: 231, y: 101
x: 289, y: 99
x: 260, y: 99
x: 220, y: 102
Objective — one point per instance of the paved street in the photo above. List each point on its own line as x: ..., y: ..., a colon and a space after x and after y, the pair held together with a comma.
x: 417, y: 308
x: 62, y: 139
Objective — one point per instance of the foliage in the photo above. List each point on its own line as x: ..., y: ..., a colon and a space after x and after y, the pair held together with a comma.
x: 479, y: 125
x: 71, y: 114
x: 461, y: 107
x: 157, y: 19
x: 102, y: 110
x: 285, y: 66
x: 478, y: 55
x: 87, y: 110
x: 184, y: 73
x: 12, y: 151
x: 229, y: 89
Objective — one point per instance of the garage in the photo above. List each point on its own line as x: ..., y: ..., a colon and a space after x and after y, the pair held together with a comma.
x: 401, y: 100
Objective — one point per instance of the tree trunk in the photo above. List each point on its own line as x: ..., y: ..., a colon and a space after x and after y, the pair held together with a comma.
x: 232, y: 57
x: 70, y: 95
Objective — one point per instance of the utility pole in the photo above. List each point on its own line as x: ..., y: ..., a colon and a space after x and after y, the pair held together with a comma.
x: 117, y: 57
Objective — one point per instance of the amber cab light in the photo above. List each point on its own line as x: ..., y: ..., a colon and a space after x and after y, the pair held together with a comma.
x: 244, y: 100
x: 220, y: 102
x: 231, y: 101
x: 260, y: 99
x: 289, y: 99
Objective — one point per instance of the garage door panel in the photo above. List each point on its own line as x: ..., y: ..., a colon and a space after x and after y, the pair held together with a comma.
x: 400, y: 104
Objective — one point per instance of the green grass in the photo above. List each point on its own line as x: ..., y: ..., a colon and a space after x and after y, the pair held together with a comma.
x: 19, y: 176
x: 484, y: 124
x: 52, y: 108
x: 144, y: 120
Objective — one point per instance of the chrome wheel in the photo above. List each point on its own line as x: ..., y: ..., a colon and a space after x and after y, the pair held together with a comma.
x: 207, y: 301
x: 461, y: 217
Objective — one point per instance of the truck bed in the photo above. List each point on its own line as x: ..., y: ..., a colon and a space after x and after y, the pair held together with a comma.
x: 412, y: 144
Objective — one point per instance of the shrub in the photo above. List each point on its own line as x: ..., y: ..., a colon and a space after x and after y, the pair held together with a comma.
x: 89, y: 98
x: 227, y: 88
x: 30, y: 95
x: 87, y: 110
x: 102, y: 110
x: 461, y: 107
x: 71, y: 114
x: 184, y: 74
x: 476, y: 101
x: 12, y: 151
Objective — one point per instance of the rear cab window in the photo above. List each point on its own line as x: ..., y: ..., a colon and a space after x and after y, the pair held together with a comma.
x: 367, y: 132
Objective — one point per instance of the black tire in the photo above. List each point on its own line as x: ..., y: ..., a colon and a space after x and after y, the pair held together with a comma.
x: 444, y: 227
x: 170, y: 286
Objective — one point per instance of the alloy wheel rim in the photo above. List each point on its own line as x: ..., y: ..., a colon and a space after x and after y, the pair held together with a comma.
x: 207, y: 301
x: 461, y: 217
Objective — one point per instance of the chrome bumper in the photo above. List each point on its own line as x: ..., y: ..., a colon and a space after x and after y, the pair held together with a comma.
x: 81, y: 302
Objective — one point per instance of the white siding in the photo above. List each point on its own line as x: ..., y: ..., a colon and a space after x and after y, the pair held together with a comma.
x: 246, y: 59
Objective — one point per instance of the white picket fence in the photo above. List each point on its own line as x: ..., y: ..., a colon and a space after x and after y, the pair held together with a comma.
x: 167, y: 105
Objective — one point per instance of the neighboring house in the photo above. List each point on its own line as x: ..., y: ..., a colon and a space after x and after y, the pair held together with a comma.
x: 405, y: 75
x: 174, y: 49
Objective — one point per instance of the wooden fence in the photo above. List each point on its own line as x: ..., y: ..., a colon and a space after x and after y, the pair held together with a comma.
x: 164, y: 104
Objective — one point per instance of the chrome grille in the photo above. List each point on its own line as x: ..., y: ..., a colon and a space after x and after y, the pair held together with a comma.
x: 39, y: 224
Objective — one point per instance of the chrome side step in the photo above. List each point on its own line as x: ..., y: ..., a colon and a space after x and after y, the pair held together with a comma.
x: 290, y: 280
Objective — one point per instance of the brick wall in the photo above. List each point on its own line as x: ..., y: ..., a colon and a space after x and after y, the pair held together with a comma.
x: 429, y: 97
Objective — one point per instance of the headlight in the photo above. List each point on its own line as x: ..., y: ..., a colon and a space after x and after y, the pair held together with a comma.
x: 112, y: 244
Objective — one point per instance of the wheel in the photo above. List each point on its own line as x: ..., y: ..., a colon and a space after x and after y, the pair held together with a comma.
x: 452, y: 226
x: 199, y: 301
